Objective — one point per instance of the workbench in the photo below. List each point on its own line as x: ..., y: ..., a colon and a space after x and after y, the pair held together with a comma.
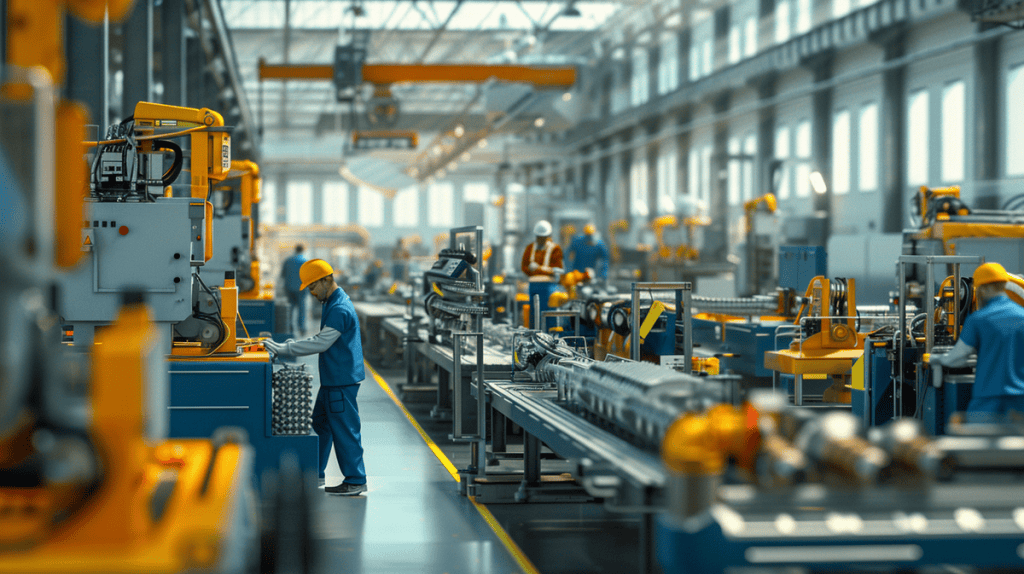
x: 497, y: 365
x: 371, y: 314
x: 233, y: 391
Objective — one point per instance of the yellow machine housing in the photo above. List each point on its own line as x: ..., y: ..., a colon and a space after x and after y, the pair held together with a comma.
x: 211, y: 143
x: 833, y: 346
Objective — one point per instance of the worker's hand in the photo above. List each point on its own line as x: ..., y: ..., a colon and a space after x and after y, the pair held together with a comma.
x: 273, y: 347
x: 533, y: 266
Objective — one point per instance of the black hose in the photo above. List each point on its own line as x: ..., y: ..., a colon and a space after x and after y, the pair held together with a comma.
x: 174, y: 171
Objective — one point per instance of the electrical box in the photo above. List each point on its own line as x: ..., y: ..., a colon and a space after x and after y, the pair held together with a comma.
x: 799, y: 264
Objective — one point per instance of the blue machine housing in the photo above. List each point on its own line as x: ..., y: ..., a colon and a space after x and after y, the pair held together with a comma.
x: 700, y: 545
x: 257, y: 314
x: 207, y: 395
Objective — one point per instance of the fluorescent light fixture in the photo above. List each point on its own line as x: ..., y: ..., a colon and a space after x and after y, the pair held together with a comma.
x: 459, y: 131
x: 818, y: 182
x: 566, y: 96
x: 539, y: 122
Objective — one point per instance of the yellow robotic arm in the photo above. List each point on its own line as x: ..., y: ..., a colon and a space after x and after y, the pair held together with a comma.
x: 616, y: 226
x: 659, y: 225
x: 211, y: 147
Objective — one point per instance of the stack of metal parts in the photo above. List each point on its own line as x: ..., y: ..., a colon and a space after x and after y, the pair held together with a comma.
x: 292, y: 411
x: 641, y: 399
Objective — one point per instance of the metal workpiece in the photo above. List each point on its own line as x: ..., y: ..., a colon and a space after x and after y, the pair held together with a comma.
x: 755, y: 305
x: 832, y: 441
x: 911, y: 450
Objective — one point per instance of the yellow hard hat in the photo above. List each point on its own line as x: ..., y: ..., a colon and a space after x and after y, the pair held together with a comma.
x: 990, y: 273
x: 589, y: 229
x: 314, y: 270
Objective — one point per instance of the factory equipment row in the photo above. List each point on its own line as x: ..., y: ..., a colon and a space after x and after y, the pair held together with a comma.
x: 794, y: 428
x: 136, y: 420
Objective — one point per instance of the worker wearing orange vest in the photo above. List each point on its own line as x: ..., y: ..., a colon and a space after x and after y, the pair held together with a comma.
x: 542, y: 263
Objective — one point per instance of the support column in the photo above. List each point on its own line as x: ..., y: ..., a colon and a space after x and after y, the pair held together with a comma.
x: 821, y: 141
x: 318, y: 202
x: 685, y: 37
x: 172, y: 52
x: 766, y: 136
x: 716, y: 242
x: 987, y: 103
x: 195, y: 73
x: 138, y: 57
x: 88, y: 71
x: 894, y: 137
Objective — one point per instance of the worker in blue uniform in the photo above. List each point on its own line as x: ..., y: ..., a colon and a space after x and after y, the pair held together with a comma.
x: 996, y: 333
x: 335, y: 413
x: 296, y: 296
x: 587, y: 251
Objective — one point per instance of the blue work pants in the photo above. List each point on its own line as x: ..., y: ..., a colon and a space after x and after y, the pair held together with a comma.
x: 297, y: 312
x: 544, y: 290
x: 336, y: 421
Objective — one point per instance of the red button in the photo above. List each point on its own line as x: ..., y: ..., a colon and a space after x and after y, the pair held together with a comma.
x: 123, y: 230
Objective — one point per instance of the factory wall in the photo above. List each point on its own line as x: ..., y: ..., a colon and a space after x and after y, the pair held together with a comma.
x: 933, y: 101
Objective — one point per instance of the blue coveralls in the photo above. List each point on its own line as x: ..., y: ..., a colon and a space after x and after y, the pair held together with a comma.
x: 335, y: 413
x: 296, y: 296
x: 997, y: 332
x: 583, y: 255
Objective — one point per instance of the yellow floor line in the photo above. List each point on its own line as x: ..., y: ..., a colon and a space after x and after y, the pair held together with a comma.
x: 489, y: 518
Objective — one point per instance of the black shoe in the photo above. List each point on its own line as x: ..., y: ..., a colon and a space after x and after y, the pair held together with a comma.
x: 346, y: 489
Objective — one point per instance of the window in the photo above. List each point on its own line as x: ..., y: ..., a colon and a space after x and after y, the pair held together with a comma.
x: 476, y: 193
x: 695, y: 61
x: 371, y: 208
x: 953, y: 137
x: 693, y: 173
x: 335, y: 203
x: 802, y: 179
x: 705, y: 174
x: 734, y: 171
x: 668, y: 64
x: 709, y: 57
x: 840, y: 8
x: 638, y: 186
x: 782, y: 181
x: 735, y: 51
x: 300, y: 203
x: 803, y: 16
x: 867, y: 139
x: 640, y: 77
x: 1014, y: 121
x: 917, y: 138
x: 406, y: 207
x: 268, y: 203
x: 750, y: 40
x: 841, y: 152
x: 440, y: 205
x: 667, y: 178
x: 749, y: 150
x: 782, y: 21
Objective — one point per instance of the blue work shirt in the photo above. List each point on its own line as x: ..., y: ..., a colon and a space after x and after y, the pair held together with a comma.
x: 583, y: 255
x: 290, y: 272
x: 342, y: 363
x: 997, y: 332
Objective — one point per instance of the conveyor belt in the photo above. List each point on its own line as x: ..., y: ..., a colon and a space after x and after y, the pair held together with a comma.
x: 573, y: 437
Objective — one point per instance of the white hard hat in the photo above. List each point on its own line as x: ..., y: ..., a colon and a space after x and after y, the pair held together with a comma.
x: 542, y: 229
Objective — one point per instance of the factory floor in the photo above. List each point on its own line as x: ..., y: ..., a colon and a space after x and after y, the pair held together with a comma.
x: 413, y: 519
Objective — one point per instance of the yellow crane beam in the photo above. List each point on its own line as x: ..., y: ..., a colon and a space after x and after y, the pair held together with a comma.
x: 383, y: 74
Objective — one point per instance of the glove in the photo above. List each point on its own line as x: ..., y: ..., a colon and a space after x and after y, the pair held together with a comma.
x: 275, y: 348
x: 937, y: 360
x: 533, y: 266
